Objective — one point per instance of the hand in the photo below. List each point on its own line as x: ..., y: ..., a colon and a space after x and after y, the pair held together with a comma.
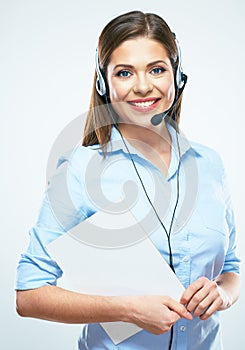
x: 154, y: 313
x: 203, y: 297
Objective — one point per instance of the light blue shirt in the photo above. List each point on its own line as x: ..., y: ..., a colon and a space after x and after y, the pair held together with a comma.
x: 202, y: 237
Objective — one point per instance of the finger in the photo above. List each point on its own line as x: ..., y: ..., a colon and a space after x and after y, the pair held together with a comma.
x: 211, y: 309
x: 178, y: 308
x: 202, y: 300
x: 202, y: 307
x: 174, y: 317
x: 198, y: 300
x: 192, y: 290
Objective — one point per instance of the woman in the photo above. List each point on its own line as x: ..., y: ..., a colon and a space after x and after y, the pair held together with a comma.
x: 136, y: 101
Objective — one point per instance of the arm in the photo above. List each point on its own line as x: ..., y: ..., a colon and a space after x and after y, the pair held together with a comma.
x: 203, y: 297
x: 153, y: 313
x: 229, y: 284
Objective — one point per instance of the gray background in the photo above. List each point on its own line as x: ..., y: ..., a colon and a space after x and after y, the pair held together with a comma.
x: 47, y: 62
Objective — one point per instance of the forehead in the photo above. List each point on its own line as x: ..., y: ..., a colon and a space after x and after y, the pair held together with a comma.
x: 140, y: 48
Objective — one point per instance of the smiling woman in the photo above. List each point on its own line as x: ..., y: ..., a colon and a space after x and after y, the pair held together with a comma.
x: 182, y: 186
x: 136, y: 52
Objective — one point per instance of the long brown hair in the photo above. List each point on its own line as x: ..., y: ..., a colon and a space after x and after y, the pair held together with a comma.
x: 124, y: 27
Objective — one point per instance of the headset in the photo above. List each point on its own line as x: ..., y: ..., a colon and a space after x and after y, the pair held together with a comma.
x: 180, y: 82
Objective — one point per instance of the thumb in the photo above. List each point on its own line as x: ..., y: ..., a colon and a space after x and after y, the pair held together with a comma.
x: 178, y: 308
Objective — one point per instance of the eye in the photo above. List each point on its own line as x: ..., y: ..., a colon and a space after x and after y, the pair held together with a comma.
x: 123, y: 73
x: 157, y: 70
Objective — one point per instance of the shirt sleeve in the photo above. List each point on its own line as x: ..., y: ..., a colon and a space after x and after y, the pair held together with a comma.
x: 61, y: 209
x: 232, y: 262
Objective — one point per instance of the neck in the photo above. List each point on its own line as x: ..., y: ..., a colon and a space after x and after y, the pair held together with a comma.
x: 156, y: 138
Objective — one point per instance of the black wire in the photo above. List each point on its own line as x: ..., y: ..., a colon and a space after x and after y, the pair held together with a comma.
x: 171, y: 338
x: 168, y: 233
x: 177, y: 201
x: 159, y: 219
x: 171, y: 224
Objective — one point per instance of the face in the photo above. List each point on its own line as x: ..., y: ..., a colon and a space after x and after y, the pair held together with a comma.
x: 141, y: 80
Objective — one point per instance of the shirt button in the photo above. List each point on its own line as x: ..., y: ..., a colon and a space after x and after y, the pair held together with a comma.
x: 186, y: 258
x: 182, y: 328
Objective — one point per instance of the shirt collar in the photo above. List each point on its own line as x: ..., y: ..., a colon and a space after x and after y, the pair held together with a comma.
x: 180, y: 143
x: 117, y: 144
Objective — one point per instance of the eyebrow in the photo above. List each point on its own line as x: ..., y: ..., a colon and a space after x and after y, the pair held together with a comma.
x: 148, y: 65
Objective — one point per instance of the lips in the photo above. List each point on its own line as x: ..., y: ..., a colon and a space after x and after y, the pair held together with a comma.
x: 145, y: 104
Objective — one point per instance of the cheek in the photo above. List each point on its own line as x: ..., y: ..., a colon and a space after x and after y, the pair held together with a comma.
x: 114, y: 95
x: 172, y: 92
x: 168, y: 89
x: 117, y: 92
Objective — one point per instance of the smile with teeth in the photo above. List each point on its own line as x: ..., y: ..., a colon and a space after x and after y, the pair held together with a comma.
x: 143, y: 104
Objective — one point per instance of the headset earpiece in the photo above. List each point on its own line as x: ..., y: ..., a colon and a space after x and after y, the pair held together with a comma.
x: 100, y: 81
x: 180, y: 77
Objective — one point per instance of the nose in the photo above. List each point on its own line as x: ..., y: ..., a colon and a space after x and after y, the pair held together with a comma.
x: 142, y: 85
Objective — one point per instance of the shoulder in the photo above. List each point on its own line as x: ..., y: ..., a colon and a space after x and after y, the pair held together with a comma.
x: 78, y: 156
x: 208, y: 154
x: 74, y: 162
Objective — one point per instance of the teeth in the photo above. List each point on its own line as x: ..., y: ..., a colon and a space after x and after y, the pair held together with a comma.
x: 143, y: 104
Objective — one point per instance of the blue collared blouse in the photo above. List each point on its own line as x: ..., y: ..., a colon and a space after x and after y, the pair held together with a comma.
x: 202, y: 234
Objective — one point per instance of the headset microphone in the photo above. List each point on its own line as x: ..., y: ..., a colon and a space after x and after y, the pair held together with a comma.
x: 158, y: 118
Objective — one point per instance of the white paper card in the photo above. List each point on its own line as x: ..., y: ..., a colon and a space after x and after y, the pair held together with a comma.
x: 90, y: 267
